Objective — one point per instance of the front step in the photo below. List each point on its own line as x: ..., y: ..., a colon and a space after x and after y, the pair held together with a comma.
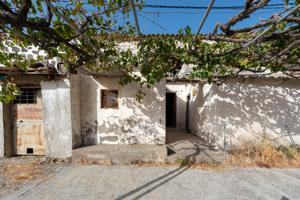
x: 193, y: 153
x: 120, y: 154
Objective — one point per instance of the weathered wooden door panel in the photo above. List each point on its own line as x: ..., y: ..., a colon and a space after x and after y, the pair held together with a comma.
x: 28, y: 123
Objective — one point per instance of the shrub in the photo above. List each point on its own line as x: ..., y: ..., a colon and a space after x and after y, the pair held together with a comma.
x: 264, y: 154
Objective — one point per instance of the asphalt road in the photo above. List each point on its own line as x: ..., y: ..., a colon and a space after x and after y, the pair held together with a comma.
x: 127, y: 182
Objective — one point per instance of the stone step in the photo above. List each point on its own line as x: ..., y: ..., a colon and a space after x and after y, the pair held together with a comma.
x: 120, y: 154
x: 194, y: 154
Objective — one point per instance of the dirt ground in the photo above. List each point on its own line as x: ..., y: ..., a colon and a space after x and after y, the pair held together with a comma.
x: 19, y: 171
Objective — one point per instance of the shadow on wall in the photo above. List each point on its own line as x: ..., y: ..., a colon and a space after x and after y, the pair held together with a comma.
x: 131, y: 123
x: 134, y: 122
x: 197, y: 113
x: 256, y: 109
x: 143, y: 125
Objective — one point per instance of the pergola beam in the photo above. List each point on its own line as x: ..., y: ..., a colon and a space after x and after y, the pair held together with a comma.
x: 135, y: 18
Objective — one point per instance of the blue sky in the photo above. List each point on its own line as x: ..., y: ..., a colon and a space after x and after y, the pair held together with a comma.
x: 173, y: 19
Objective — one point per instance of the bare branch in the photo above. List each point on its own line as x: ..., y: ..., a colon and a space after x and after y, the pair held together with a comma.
x: 25, y: 9
x: 50, y: 15
x: 5, y: 8
x: 251, y: 28
x: 293, y: 45
x: 270, y: 27
x: 226, y: 39
x: 42, y: 27
x: 217, y: 26
x: 275, y: 35
x: 250, y: 7
x: 293, y: 19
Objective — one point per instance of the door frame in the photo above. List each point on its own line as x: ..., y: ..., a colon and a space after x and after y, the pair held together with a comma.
x: 14, y: 122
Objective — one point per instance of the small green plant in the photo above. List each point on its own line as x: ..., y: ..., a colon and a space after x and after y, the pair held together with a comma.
x: 9, y: 92
x: 182, y: 162
x: 287, y: 151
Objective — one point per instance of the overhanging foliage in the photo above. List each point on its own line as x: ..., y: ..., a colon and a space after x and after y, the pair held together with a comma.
x: 82, y: 33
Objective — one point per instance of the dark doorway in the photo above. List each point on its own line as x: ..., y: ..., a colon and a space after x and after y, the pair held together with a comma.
x: 171, y: 110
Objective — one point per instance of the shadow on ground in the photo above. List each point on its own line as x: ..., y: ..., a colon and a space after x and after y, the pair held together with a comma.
x: 152, y: 184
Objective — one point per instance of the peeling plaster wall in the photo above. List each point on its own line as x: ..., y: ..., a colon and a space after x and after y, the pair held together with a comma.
x: 235, y: 111
x: 57, y: 121
x: 1, y: 130
x: 8, y: 138
x: 182, y: 90
x: 131, y: 123
x: 75, y: 110
x: 201, y: 112
x: 89, y: 98
x: 5, y: 130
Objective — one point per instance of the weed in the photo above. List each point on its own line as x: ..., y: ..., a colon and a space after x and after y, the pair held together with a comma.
x: 263, y: 154
x: 182, y: 162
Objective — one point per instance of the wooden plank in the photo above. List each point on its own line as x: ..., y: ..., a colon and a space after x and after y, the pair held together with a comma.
x: 28, y: 127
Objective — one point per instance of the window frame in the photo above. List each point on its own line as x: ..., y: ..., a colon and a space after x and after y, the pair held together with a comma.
x: 102, y: 95
x: 26, y: 97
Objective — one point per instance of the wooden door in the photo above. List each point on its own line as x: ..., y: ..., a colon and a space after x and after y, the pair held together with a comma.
x: 28, y: 123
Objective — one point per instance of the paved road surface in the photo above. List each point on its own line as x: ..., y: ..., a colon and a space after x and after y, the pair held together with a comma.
x: 115, y: 182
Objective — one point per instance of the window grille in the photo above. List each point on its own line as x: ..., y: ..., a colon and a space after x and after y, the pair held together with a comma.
x: 27, y: 96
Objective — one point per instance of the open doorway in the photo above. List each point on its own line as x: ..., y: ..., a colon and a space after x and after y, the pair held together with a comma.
x: 171, y: 110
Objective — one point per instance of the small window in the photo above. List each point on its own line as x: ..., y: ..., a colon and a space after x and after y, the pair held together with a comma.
x: 29, y: 150
x: 109, y: 98
x: 27, y: 96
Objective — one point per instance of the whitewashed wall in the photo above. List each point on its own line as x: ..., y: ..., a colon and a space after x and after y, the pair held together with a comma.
x: 131, y: 123
x: 57, y: 118
x: 2, y: 149
x: 75, y: 110
x: 252, y: 109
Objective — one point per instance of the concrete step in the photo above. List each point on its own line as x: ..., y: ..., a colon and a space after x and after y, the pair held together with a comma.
x: 194, y: 153
x: 119, y: 154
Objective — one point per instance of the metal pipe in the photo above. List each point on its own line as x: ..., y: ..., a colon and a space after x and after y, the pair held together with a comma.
x: 135, y: 18
x: 204, y: 18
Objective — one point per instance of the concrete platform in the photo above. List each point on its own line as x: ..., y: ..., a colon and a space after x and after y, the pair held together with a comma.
x: 181, y: 146
x: 120, y: 154
x: 185, y: 146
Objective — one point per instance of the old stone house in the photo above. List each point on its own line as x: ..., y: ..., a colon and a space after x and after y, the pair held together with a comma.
x: 57, y: 113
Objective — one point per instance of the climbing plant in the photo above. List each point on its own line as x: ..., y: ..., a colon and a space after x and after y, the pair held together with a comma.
x: 86, y: 35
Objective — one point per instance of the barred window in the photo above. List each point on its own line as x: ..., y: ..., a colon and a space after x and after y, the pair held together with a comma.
x: 109, y: 98
x: 27, y: 96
